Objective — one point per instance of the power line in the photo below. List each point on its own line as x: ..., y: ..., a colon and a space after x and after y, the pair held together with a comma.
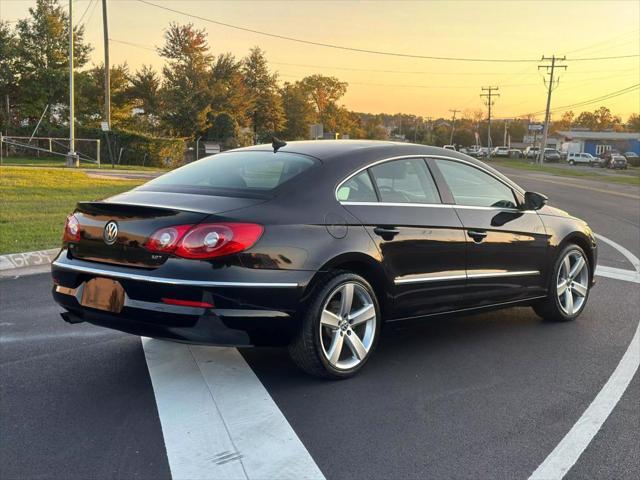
x: 601, y: 98
x: 354, y: 49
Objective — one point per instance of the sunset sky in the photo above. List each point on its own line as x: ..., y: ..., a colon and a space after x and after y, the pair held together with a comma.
x: 391, y: 84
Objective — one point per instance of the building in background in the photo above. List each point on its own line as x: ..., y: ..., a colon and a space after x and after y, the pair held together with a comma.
x: 595, y: 143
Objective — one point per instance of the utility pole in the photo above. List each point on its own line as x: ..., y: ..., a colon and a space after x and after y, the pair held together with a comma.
x: 72, y: 158
x: 107, y: 72
x: 430, y: 131
x: 107, y: 81
x: 550, y: 86
x: 453, y: 125
x: 506, y: 129
x: 489, y: 103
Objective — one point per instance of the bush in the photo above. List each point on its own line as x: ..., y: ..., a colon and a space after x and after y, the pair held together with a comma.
x: 139, y: 149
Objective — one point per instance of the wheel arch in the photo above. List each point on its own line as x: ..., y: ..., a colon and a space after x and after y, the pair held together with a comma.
x: 361, y: 264
x: 584, y: 242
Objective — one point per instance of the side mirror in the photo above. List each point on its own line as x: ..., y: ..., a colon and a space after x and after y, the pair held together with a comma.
x: 534, y: 201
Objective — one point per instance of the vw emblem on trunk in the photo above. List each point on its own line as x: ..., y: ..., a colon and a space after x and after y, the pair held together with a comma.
x: 110, y: 233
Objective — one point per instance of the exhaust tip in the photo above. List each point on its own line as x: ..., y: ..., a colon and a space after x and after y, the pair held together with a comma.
x: 71, y: 318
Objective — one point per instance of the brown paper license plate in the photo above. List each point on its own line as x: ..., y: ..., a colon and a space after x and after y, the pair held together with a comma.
x: 103, y: 294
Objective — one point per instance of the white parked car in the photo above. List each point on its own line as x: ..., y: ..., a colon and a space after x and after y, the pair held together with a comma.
x: 501, y: 152
x: 449, y: 147
x: 576, y: 158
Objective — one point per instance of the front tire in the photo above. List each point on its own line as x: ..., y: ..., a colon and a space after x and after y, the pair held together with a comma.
x: 568, y: 286
x: 339, y: 329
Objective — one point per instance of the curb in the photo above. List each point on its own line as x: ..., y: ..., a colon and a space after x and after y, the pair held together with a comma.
x: 26, y: 262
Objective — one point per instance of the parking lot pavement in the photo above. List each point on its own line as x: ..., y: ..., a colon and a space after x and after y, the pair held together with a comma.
x: 485, y: 396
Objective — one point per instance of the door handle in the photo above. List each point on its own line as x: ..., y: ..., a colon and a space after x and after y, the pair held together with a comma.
x: 477, y: 235
x: 386, y: 232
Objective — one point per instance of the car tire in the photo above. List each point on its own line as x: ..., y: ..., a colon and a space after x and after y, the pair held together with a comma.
x: 571, y: 162
x: 328, y: 329
x: 568, y: 292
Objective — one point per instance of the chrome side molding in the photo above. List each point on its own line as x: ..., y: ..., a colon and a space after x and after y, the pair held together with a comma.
x: 469, y: 275
x: 169, y: 281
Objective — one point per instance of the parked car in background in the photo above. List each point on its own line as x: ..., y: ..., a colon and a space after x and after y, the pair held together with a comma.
x: 449, y: 147
x: 617, y: 162
x: 531, y: 152
x: 501, y: 152
x: 632, y: 158
x: 515, y: 153
x: 483, y: 152
x: 473, y: 151
x: 581, y: 159
x: 551, y: 155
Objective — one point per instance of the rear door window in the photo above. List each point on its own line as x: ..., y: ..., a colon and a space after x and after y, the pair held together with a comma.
x: 405, y: 181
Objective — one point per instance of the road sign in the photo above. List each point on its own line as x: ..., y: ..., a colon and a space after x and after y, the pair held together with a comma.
x: 536, y: 127
x: 104, y: 126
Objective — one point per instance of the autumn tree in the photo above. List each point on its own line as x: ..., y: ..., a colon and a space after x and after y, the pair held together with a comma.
x: 298, y: 111
x: 229, y: 94
x: 324, y: 92
x: 185, y: 92
x: 266, y: 112
x: 633, y: 123
x: 8, y: 78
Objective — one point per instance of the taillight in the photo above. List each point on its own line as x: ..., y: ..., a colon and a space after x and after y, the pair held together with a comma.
x: 207, y: 240
x: 166, y: 239
x: 71, y: 229
x: 211, y: 240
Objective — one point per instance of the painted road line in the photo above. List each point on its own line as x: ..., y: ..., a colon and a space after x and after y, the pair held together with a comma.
x: 218, y: 420
x: 635, y: 261
x: 566, y: 454
x: 618, y: 274
x: 574, y: 443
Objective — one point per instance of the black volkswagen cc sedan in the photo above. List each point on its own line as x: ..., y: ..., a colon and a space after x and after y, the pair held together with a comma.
x: 312, y: 245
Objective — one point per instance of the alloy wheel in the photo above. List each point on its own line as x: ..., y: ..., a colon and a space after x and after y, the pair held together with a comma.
x: 347, y: 326
x: 572, y: 282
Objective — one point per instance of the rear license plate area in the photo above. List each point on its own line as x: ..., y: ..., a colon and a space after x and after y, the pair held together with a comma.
x: 103, y: 294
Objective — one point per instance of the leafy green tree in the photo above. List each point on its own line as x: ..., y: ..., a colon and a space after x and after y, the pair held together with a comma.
x: 90, y: 96
x: 143, y: 90
x: 224, y: 130
x: 229, y: 94
x: 8, y: 79
x: 266, y: 112
x: 42, y: 58
x: 298, y: 111
x: 185, y: 92
x: 374, y: 129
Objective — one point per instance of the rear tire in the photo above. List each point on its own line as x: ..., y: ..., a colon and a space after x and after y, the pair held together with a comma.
x: 339, y: 329
x: 569, y: 286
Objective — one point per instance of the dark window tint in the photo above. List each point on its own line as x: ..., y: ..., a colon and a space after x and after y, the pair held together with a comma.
x: 357, y: 189
x: 471, y: 186
x: 234, y: 173
x: 405, y: 181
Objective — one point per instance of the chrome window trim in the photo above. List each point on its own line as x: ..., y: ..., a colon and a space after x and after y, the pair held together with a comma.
x: 424, y: 157
x: 467, y: 276
x: 434, y: 205
x: 170, y: 281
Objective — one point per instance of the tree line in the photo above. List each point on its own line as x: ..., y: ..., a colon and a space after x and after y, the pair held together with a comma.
x: 235, y: 101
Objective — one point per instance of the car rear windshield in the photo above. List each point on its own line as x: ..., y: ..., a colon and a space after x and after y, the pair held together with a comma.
x: 242, y: 174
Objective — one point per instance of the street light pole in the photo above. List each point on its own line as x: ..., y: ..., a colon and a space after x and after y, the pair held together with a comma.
x: 72, y: 158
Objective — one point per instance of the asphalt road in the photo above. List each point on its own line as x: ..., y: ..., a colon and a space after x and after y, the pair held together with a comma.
x: 485, y: 396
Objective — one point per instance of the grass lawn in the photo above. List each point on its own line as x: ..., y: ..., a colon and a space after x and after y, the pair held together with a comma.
x: 60, y: 162
x: 631, y: 177
x: 34, y: 203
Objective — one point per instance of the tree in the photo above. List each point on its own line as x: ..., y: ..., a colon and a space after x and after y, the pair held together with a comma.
x: 586, y: 120
x: 8, y: 79
x: 143, y: 90
x: 298, y: 111
x: 185, y: 91
x: 323, y: 92
x: 90, y: 96
x: 374, y: 129
x: 42, y: 58
x: 566, y: 121
x: 266, y: 113
x: 229, y: 94
x: 224, y: 130
x: 633, y: 123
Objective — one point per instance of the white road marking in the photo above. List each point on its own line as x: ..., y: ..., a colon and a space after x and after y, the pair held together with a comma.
x: 574, y: 443
x: 45, y: 337
x: 218, y: 420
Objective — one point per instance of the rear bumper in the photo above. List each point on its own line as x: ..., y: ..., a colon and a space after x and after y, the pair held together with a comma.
x: 254, y: 310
